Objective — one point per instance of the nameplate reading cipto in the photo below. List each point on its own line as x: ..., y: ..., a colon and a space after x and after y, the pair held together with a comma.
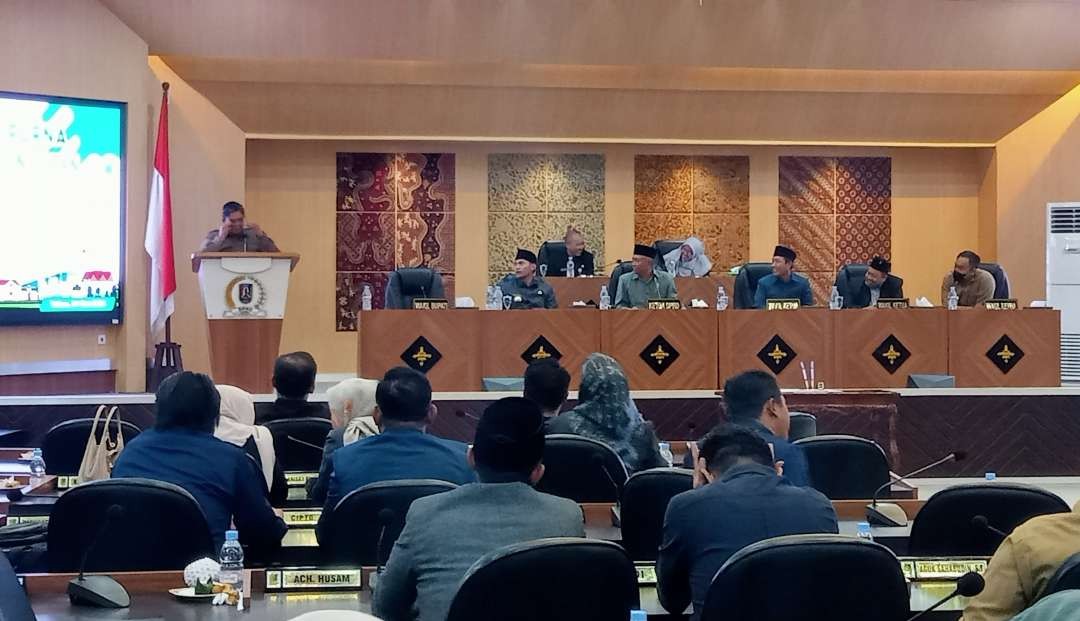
x: 1001, y: 305
x: 782, y: 304
x: 663, y: 304
x: 430, y: 304
x: 302, y: 579
x: 893, y: 303
x: 306, y: 518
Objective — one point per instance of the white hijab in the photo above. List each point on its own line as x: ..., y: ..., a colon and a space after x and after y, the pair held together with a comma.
x: 237, y: 424
x: 698, y: 265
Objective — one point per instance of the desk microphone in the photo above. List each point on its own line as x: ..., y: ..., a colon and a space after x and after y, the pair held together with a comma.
x: 99, y: 591
x: 891, y: 514
x: 386, y: 520
x: 307, y: 444
x: 968, y: 585
x: 466, y: 414
x: 616, y: 511
x: 983, y: 523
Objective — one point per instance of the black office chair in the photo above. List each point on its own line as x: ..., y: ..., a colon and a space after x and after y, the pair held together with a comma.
x: 159, y: 526
x: 581, y: 469
x: 645, y: 498
x: 568, y: 579
x: 849, y: 279
x: 746, y: 282
x: 350, y: 533
x: 803, y: 425
x: 946, y: 525
x: 408, y: 283
x: 1066, y: 577
x: 623, y: 267
x: 1001, y: 280
x: 299, y: 456
x: 14, y: 604
x: 64, y: 444
x: 823, y: 576
x: 664, y: 246
x: 845, y: 467
x: 553, y: 254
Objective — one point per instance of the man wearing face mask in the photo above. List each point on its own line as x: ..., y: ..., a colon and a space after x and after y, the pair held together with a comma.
x: 878, y: 283
x: 973, y: 285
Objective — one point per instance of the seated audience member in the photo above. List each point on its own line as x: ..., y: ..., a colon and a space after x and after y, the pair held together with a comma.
x: 605, y: 412
x: 1024, y: 563
x: 878, y: 283
x: 645, y: 282
x: 783, y: 283
x: 754, y: 401
x: 1061, y: 606
x: 973, y: 285
x: 237, y: 426
x: 689, y: 259
x: 294, y: 380
x: 744, y: 501
x: 446, y: 533
x: 403, y: 449
x: 547, y: 384
x: 352, y: 405
x: 181, y: 449
x: 526, y: 288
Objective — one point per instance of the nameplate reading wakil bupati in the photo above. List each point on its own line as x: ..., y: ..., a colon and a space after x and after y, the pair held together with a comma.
x: 430, y: 304
x: 301, y: 579
x: 299, y: 479
x: 782, y: 304
x: 1001, y: 305
x: 893, y: 303
x: 940, y: 568
x: 307, y: 518
x: 664, y: 304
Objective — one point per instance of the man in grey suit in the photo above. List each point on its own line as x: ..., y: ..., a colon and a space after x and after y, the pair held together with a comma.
x: 446, y: 533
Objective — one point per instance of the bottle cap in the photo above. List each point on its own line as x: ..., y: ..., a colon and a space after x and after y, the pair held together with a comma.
x: 639, y: 615
x: 231, y: 535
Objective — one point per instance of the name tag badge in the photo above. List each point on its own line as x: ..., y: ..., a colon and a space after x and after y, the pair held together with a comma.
x: 783, y: 304
x: 664, y: 304
x: 1001, y: 304
x: 893, y: 303
x: 430, y: 304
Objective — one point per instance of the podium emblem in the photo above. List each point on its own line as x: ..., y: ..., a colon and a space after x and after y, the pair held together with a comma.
x: 659, y: 355
x: 540, y: 349
x: 244, y: 297
x: 776, y: 355
x: 421, y: 355
x: 891, y: 354
x: 1005, y: 354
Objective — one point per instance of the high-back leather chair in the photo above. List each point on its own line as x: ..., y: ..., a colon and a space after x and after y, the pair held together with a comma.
x: 746, y: 282
x: 849, y: 279
x: 645, y: 499
x: 664, y: 246
x: 803, y: 425
x: 64, y: 444
x: 581, y: 469
x: 625, y: 267
x: 299, y: 456
x: 408, y: 283
x: 553, y: 254
x: 845, y: 467
x: 1001, y: 280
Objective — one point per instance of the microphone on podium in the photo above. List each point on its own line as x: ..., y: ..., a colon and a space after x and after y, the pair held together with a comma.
x: 983, y: 523
x: 99, y: 591
x: 967, y: 585
x: 891, y: 514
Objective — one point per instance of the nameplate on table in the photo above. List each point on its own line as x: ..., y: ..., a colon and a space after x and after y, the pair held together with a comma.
x: 664, y: 304
x: 299, y: 479
x: 646, y: 573
x: 940, y: 568
x: 27, y: 519
x: 67, y: 482
x: 301, y: 579
x: 1001, y: 305
x: 430, y: 304
x: 893, y: 303
x: 306, y: 518
x: 782, y: 304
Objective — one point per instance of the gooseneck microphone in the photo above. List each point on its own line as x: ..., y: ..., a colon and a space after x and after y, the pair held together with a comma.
x: 980, y: 521
x: 967, y: 585
x: 307, y: 444
x: 891, y: 514
x: 99, y: 591
x: 386, y: 520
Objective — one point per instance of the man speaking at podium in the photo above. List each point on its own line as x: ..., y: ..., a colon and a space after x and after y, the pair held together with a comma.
x: 236, y: 234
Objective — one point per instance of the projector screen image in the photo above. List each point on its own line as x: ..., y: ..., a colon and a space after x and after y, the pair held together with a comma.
x: 61, y: 210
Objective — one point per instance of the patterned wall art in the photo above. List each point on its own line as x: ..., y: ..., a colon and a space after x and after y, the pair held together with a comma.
x: 393, y: 210
x: 833, y: 212
x: 532, y: 198
x: 677, y: 196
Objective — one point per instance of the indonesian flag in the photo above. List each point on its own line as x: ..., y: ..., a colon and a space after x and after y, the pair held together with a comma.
x: 159, y: 235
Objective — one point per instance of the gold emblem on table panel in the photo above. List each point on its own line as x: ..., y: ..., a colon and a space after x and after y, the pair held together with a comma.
x: 776, y: 354
x: 421, y: 355
x: 540, y: 349
x: 1005, y: 354
x: 659, y: 355
x: 891, y: 354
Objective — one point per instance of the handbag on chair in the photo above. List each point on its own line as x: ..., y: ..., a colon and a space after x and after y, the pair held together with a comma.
x: 99, y: 456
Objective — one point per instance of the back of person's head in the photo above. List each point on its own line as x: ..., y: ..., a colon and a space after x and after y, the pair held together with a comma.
x: 730, y: 446
x: 509, y: 442
x: 403, y: 395
x: 294, y: 375
x: 187, y: 400
x: 746, y: 394
x: 547, y: 384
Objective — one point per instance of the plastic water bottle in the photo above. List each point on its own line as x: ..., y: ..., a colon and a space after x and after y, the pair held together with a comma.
x: 365, y: 298
x: 953, y: 299
x: 37, y: 464
x: 639, y: 615
x: 232, y: 562
x: 721, y: 298
x: 835, y: 299
x: 991, y: 476
x: 665, y: 452
x: 570, y: 267
x: 605, y: 298
x: 863, y: 531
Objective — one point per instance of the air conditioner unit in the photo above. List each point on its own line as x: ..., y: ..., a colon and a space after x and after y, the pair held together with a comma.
x: 1063, y: 280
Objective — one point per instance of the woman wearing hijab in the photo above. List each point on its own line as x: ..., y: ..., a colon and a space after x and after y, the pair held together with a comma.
x: 688, y: 259
x: 606, y: 413
x: 237, y: 426
x: 352, y: 403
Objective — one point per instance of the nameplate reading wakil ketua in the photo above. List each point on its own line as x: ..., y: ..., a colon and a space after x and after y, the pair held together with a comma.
x: 430, y: 304
x: 893, y: 303
x: 664, y: 304
x: 782, y: 304
x: 1001, y: 305
x: 304, y: 579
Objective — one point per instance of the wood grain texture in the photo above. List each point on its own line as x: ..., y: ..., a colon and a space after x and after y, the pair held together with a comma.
x: 575, y: 333
x: 242, y: 352
x: 1036, y: 331
x: 626, y: 333
x: 807, y: 331
x: 385, y: 334
x: 78, y: 383
x: 858, y: 332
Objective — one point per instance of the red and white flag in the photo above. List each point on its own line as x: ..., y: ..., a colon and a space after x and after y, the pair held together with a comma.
x: 159, y: 234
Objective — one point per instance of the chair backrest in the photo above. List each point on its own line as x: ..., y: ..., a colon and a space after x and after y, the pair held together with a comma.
x: 294, y: 456
x: 624, y: 267
x: 553, y: 254
x: 645, y: 499
x: 160, y: 526
x: 746, y: 282
x: 803, y: 425
x: 568, y: 579
x: 849, y: 279
x: 14, y: 604
x: 664, y: 246
x: 1067, y: 577
x: 845, y: 467
x: 341, y: 542
x: 581, y: 469
x: 821, y: 576
x: 408, y: 283
x: 1001, y: 279
x: 64, y: 444
x: 945, y: 525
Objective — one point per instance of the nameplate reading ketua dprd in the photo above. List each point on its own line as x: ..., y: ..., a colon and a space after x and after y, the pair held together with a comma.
x: 430, y: 304
x: 893, y: 303
x: 782, y: 304
x: 1001, y: 305
x: 663, y: 304
x: 303, y: 579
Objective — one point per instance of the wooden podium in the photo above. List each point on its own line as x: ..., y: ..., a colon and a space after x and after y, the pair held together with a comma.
x: 513, y: 339
x: 1005, y: 347
x: 443, y: 344
x: 880, y: 348
x: 244, y: 296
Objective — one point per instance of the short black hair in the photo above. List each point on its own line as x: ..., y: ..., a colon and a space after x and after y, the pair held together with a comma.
x: 547, y: 384
x: 294, y: 374
x: 746, y: 393
x: 729, y: 445
x: 973, y: 259
x: 403, y: 395
x: 509, y: 440
x: 187, y: 400
x: 229, y: 207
